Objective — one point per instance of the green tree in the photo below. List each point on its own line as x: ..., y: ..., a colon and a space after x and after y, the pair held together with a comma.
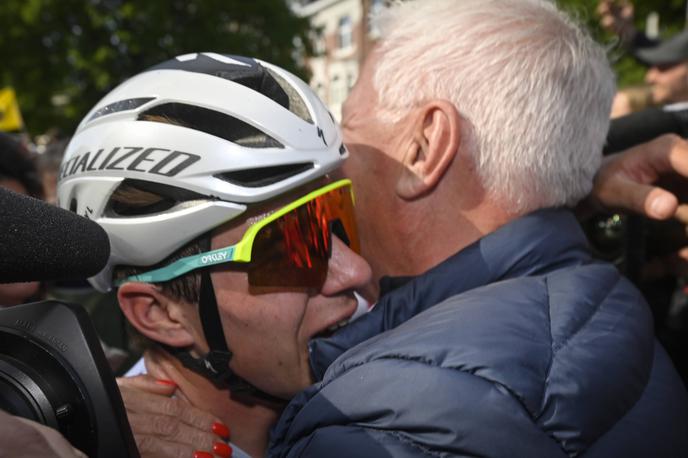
x: 62, y: 56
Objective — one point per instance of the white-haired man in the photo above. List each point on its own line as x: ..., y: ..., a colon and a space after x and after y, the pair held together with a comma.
x: 525, y: 346
x: 471, y: 127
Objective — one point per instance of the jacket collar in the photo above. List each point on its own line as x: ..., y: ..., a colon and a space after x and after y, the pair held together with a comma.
x: 534, y: 244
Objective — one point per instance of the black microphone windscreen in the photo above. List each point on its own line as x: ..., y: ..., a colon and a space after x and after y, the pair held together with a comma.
x: 39, y: 241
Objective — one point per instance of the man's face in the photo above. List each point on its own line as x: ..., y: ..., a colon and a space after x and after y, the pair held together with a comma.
x: 669, y: 83
x: 374, y: 165
x: 268, y: 331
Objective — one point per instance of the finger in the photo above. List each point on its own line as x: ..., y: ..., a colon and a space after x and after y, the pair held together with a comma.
x: 190, y: 415
x: 158, y: 447
x: 658, y: 203
x: 172, y: 430
x: 620, y: 192
x: 682, y: 213
x: 146, y: 403
x: 665, y: 154
x: 625, y: 179
x: 142, y: 401
x: 683, y: 253
x: 148, y: 384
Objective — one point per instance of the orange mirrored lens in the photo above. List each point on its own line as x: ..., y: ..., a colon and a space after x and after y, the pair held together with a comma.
x: 294, y: 250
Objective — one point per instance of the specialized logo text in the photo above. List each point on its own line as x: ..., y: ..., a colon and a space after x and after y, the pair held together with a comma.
x: 159, y: 161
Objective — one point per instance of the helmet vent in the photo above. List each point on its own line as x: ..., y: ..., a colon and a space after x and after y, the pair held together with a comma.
x: 138, y: 198
x: 211, y: 122
x: 296, y: 103
x: 122, y: 105
x: 264, y: 176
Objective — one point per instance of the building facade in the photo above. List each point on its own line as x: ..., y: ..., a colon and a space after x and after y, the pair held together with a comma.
x: 342, y: 36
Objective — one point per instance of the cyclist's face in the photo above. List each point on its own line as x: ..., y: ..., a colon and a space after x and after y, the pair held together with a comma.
x: 268, y: 330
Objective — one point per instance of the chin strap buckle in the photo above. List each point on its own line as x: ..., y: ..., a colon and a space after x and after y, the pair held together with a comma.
x: 217, y: 369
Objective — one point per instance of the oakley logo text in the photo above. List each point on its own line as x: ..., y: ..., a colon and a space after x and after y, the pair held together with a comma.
x: 159, y: 161
x: 215, y: 257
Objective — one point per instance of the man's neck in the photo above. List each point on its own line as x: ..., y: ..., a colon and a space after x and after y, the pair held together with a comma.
x: 249, y: 423
x: 431, y: 236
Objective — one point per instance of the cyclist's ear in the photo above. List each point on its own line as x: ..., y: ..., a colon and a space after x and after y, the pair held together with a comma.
x: 155, y: 315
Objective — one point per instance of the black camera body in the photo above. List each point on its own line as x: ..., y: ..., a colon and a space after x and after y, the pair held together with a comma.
x: 53, y: 371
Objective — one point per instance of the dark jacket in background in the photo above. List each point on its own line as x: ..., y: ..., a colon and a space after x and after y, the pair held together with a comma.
x: 533, y: 350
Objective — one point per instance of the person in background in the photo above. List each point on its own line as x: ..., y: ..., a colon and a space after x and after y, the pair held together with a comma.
x: 666, y: 80
x: 18, y: 173
x: 667, y: 75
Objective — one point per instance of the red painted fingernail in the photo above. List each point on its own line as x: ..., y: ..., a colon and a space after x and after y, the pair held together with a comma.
x: 222, y: 449
x: 221, y: 430
x: 200, y: 454
x: 165, y: 382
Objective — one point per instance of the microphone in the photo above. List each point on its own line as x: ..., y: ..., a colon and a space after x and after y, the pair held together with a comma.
x: 643, y: 126
x: 39, y: 241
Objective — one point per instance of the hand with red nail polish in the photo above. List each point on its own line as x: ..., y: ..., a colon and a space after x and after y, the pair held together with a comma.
x: 168, y: 427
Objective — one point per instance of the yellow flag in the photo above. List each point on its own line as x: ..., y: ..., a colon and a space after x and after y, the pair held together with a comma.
x: 10, y: 116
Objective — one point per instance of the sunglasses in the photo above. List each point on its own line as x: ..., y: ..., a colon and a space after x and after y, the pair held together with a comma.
x: 289, y: 248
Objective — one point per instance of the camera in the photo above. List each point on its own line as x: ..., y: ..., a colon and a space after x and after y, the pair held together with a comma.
x: 53, y: 371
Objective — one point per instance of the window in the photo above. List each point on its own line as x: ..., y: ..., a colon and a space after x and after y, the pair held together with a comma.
x: 335, y: 91
x: 350, y: 80
x: 320, y: 90
x: 375, y: 8
x: 345, y: 32
x: 318, y: 42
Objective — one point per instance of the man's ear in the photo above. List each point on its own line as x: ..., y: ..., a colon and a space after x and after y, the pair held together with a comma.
x: 435, y: 143
x: 153, y: 314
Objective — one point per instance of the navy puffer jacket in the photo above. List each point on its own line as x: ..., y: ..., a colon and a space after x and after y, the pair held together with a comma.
x: 533, y: 350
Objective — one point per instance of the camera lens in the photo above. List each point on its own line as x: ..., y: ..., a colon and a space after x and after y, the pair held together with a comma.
x: 53, y: 371
x: 19, y: 394
x: 36, y: 384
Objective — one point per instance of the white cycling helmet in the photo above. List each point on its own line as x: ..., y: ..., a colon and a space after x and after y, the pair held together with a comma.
x: 276, y: 136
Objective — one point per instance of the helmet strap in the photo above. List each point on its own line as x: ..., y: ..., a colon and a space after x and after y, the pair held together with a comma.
x: 215, y: 364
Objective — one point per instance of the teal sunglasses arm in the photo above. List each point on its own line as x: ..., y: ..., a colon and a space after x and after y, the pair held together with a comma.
x: 183, y: 266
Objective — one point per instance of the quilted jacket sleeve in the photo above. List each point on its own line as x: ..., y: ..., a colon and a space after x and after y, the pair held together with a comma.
x: 470, y: 416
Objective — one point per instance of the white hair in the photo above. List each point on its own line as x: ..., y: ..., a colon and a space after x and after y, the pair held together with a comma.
x: 534, y: 86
